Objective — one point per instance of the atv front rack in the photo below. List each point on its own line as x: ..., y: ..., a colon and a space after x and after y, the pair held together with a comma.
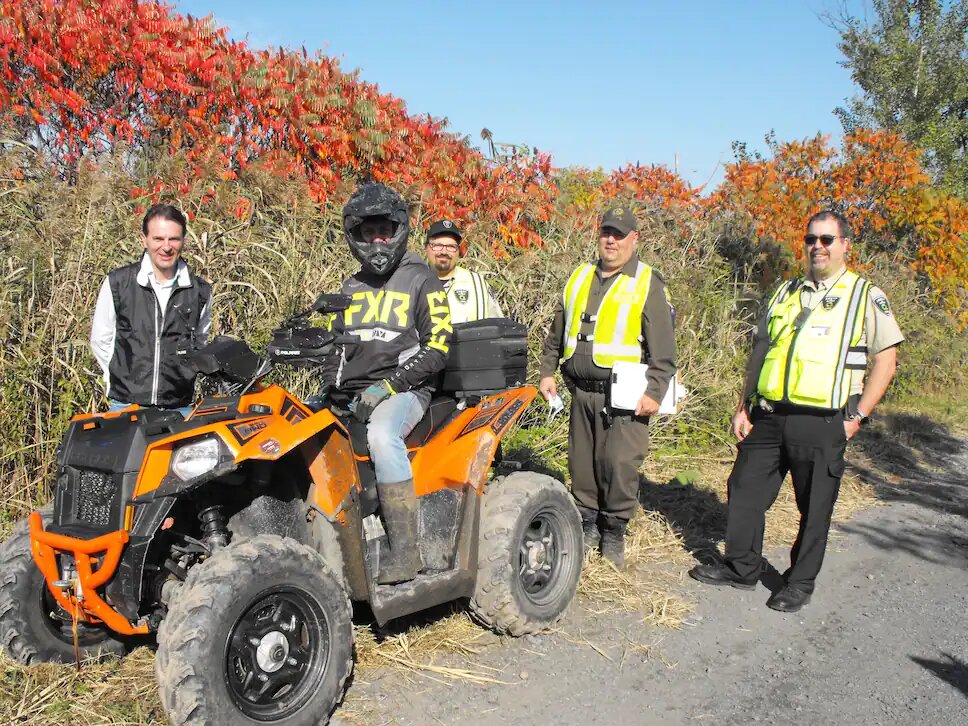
x: 80, y: 596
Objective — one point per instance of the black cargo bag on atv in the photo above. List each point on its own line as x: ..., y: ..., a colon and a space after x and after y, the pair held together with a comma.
x: 485, y: 356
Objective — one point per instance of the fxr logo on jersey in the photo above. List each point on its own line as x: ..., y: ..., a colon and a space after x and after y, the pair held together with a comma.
x: 384, y: 307
x: 440, y: 321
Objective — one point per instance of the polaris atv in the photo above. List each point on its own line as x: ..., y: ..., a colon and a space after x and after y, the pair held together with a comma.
x: 239, y: 536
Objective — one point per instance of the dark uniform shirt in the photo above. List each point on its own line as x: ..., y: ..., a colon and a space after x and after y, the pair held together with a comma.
x: 658, y: 348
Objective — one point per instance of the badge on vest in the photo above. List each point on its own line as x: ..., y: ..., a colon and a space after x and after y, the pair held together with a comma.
x: 882, y: 305
x: 462, y: 295
x: 829, y: 302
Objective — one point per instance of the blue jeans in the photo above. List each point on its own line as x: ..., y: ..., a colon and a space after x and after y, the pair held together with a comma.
x: 114, y: 405
x: 389, y: 425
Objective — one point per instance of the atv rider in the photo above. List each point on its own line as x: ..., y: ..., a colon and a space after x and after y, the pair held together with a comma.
x: 401, y: 319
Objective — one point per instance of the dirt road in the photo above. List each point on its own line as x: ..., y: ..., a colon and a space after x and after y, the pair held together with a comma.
x: 885, y: 640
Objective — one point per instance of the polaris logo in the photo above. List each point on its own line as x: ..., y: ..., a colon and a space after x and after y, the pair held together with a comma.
x: 288, y: 352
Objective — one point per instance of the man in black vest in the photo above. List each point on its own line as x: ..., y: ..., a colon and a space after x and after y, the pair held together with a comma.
x: 145, y: 312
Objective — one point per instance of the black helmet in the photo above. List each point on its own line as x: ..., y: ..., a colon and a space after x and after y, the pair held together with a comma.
x: 377, y: 200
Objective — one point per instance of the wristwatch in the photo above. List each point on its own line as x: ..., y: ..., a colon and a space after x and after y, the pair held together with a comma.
x: 859, y: 416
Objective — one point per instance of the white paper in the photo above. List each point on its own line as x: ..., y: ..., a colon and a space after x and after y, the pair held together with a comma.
x: 629, y: 382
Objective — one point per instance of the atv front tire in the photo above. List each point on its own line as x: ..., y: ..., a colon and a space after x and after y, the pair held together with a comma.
x: 259, y: 633
x: 33, y: 627
x: 530, y: 554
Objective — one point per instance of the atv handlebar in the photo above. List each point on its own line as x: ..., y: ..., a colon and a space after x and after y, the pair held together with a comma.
x: 294, y: 343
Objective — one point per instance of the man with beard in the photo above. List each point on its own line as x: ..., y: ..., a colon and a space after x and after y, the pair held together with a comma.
x: 468, y: 294
x: 401, y: 325
x: 804, y: 397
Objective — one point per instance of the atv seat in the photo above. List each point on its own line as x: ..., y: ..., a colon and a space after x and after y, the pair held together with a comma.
x: 440, y: 411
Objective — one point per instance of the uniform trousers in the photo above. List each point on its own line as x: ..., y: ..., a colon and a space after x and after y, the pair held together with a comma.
x: 808, y: 445
x: 604, y: 456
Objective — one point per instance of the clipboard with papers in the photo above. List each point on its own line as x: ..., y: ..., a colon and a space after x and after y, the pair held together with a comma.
x: 629, y: 381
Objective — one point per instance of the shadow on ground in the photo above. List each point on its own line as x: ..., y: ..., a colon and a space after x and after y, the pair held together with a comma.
x: 905, y: 457
x: 910, y: 458
x: 697, y: 514
x: 951, y: 670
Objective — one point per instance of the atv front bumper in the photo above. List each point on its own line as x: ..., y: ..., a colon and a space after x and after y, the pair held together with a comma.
x: 80, y: 597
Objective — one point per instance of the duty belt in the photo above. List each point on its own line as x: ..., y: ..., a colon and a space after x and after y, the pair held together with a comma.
x: 591, y: 386
x: 787, y: 409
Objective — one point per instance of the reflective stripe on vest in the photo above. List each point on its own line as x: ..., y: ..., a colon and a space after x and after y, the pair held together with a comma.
x: 617, y: 334
x: 474, y: 306
x: 811, y: 364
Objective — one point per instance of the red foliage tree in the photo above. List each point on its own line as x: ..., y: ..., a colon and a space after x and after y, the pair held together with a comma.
x: 84, y: 78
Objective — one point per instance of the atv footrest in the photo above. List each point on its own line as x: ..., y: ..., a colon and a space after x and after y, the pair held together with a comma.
x: 425, y: 591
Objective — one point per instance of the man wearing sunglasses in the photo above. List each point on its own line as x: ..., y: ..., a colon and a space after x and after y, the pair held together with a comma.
x: 805, y: 395
x: 468, y: 293
x: 612, y: 311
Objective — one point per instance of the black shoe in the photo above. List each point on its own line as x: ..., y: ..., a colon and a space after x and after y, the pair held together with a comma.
x: 591, y: 535
x: 788, y: 599
x: 720, y: 574
x: 613, y: 539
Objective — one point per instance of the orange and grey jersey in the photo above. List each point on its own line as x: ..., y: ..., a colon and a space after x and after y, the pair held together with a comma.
x: 402, y: 328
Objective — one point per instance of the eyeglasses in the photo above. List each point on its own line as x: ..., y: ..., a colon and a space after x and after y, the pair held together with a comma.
x: 443, y: 246
x: 825, y: 239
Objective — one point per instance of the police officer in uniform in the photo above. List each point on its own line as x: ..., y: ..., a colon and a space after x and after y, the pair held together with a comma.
x: 468, y: 293
x: 807, y: 376
x: 614, y: 310
x: 401, y: 325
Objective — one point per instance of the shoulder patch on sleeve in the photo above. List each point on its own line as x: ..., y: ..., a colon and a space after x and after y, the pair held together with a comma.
x: 881, y: 302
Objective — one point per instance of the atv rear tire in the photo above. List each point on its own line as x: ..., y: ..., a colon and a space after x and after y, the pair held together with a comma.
x: 260, y: 633
x: 530, y: 554
x: 27, y: 630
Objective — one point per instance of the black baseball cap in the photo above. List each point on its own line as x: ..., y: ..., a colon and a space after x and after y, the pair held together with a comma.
x: 621, y: 218
x: 444, y: 226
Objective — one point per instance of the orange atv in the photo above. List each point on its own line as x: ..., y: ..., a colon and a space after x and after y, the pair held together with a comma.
x: 239, y: 535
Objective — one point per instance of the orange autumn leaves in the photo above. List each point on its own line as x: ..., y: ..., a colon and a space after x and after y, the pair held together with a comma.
x: 82, y: 80
x: 876, y: 180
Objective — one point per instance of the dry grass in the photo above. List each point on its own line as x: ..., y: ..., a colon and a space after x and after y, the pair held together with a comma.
x: 116, y: 692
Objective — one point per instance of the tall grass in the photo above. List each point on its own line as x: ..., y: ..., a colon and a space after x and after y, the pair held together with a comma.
x: 58, y: 240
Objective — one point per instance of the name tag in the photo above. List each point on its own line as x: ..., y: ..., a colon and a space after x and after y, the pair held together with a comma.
x: 819, y: 331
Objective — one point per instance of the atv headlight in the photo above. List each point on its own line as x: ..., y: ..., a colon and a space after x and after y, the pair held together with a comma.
x: 194, y: 459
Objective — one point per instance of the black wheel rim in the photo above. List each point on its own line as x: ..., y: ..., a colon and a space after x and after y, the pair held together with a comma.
x: 541, y: 556
x: 277, y: 653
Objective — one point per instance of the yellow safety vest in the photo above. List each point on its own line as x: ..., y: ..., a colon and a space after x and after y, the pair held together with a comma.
x: 617, y: 334
x: 810, y: 358
x: 470, y: 298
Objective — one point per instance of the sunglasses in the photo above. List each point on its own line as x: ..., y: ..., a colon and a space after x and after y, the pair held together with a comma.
x: 825, y: 239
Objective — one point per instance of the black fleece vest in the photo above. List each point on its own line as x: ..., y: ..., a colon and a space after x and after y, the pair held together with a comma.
x: 145, y: 368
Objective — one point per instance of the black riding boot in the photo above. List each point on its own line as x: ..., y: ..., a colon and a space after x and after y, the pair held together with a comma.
x: 613, y: 539
x: 592, y: 536
x: 398, y: 503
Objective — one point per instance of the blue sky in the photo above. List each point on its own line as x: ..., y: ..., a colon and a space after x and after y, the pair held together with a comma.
x: 596, y: 84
